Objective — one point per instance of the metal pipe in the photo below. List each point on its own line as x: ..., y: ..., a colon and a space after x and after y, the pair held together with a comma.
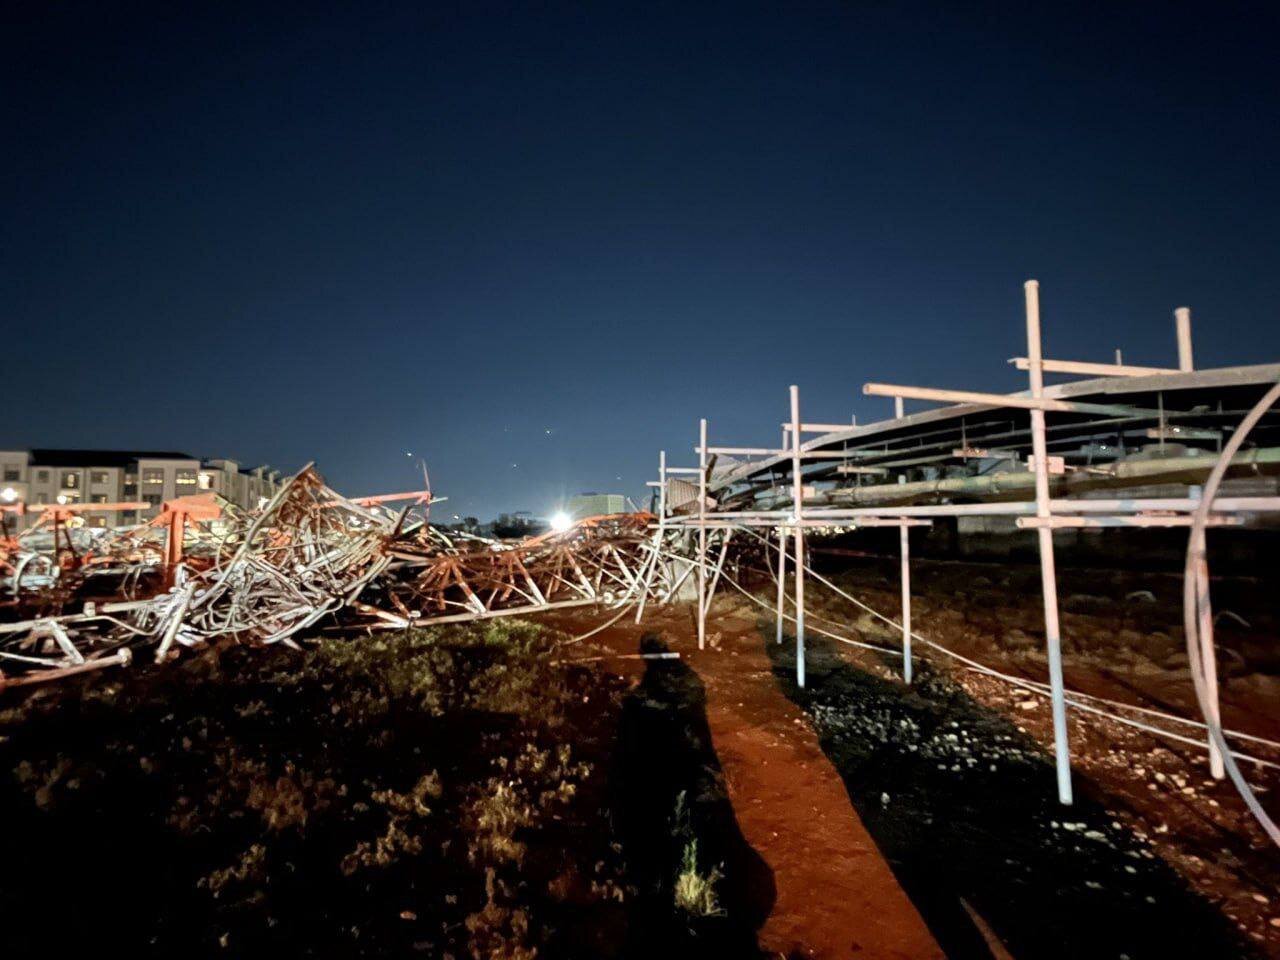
x: 1208, y: 655
x: 904, y: 542
x: 658, y: 539
x: 1048, y: 573
x: 715, y: 576
x: 743, y: 451
x: 1116, y: 369
x: 782, y: 575
x: 1123, y: 473
x: 702, y: 533
x: 995, y: 399
x: 797, y: 482
x: 1182, y: 321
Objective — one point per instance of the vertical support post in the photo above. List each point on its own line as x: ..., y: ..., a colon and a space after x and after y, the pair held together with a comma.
x: 1182, y: 321
x: 1048, y: 572
x: 173, y: 545
x: 782, y: 576
x: 702, y: 533
x: 1208, y: 655
x: 904, y: 542
x: 662, y: 488
x: 658, y: 541
x: 797, y: 494
x: 899, y: 408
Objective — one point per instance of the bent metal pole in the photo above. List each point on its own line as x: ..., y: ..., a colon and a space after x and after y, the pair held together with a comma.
x: 782, y: 575
x: 1048, y: 574
x: 702, y: 534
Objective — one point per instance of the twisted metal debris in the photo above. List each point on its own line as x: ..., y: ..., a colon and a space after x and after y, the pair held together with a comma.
x: 203, y: 573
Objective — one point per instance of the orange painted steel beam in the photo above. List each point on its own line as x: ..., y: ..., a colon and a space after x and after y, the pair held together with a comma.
x: 421, y: 496
x: 174, y: 515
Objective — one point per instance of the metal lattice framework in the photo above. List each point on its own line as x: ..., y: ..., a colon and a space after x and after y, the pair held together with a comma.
x: 1128, y: 447
x: 200, y: 574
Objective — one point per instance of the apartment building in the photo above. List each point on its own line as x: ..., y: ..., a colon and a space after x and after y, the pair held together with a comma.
x: 42, y: 476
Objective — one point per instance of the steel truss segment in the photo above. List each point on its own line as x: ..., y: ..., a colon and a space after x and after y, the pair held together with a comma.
x: 990, y: 455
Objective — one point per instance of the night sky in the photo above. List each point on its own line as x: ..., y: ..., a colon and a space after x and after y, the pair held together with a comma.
x: 352, y: 232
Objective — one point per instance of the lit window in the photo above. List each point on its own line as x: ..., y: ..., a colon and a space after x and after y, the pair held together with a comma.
x: 185, y: 478
x: 152, y: 476
x: 98, y: 498
x: 70, y: 480
x: 99, y: 477
x: 206, y: 480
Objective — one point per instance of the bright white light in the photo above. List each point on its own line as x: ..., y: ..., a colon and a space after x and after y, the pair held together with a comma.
x: 561, y: 521
x: 62, y: 498
x: 8, y: 494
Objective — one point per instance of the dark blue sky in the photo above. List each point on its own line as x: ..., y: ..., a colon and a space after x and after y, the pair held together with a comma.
x: 344, y: 232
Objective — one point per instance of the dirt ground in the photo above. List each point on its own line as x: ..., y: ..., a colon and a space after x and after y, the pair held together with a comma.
x: 453, y: 793
x: 949, y: 787
x: 501, y: 791
x: 1122, y: 639
x: 833, y: 893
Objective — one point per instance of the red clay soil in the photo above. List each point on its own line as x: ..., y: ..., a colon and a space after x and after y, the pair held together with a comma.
x: 835, y: 894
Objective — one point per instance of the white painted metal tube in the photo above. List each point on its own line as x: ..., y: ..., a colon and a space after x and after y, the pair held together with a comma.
x: 1041, y: 403
x: 743, y: 451
x: 702, y: 533
x: 715, y: 576
x: 1077, y: 523
x: 798, y: 513
x: 1022, y: 508
x: 782, y: 577
x: 905, y: 542
x: 1208, y: 655
x: 658, y: 539
x: 1048, y: 573
x: 1085, y: 368
x: 1182, y: 321
x: 820, y: 427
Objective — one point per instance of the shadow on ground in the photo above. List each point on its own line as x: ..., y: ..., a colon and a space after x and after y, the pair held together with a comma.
x: 963, y: 806
x: 670, y: 793
x: 453, y: 792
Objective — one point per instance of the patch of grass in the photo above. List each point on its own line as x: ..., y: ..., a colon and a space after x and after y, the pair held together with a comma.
x: 695, y: 892
x: 437, y: 790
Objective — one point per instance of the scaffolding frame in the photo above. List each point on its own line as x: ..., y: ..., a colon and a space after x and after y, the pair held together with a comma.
x: 765, y: 484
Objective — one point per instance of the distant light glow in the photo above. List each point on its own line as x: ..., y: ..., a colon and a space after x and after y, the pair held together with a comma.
x: 561, y: 521
x: 8, y: 494
x: 62, y: 498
